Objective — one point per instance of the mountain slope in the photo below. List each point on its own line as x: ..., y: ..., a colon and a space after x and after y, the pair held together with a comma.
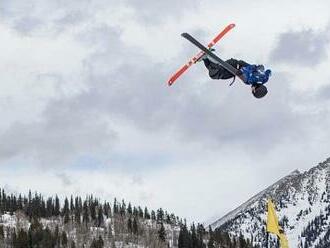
x: 302, y: 201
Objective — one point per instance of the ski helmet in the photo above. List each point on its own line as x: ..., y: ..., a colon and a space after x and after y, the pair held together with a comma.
x: 259, y: 90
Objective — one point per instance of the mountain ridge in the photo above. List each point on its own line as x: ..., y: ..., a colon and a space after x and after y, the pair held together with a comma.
x: 300, y: 198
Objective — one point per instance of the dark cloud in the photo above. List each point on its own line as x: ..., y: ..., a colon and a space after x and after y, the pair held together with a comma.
x: 306, y: 48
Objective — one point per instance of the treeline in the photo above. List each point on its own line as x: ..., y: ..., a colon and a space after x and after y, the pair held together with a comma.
x: 49, y: 223
x: 37, y: 236
x: 117, y: 222
x: 75, y: 209
x: 198, y: 237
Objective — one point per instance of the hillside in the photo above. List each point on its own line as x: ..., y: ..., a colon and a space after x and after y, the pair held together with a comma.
x: 303, y: 205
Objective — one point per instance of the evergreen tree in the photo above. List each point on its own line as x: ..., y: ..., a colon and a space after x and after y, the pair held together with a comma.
x: 57, y: 235
x: 14, y: 239
x: 66, y: 211
x: 115, y: 207
x: 160, y: 215
x: 97, y: 243
x: 101, y: 242
x: 64, y: 239
x: 50, y: 207
x: 2, y: 233
x: 1, y: 210
x: 135, y: 212
x: 129, y: 209
x: 242, y: 242
x: 19, y: 202
x: 77, y: 216
x: 92, y: 209
x: 29, y: 205
x: 72, y: 207
x: 184, y: 237
x: 100, y: 217
x: 200, y: 234
x: 77, y: 210
x: 45, y: 238
x: 140, y: 212
x: 22, y: 240
x: 123, y: 208
x: 135, y: 227
x: 94, y: 243
x: 194, y: 239
x: 210, y: 243
x: 30, y: 238
x: 85, y: 214
x: 57, y: 206
x: 146, y: 213
x: 129, y: 225
x: 153, y: 215
x: 162, y: 233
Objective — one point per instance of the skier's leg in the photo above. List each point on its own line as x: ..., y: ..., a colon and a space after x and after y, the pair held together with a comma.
x: 238, y: 64
x: 215, y: 70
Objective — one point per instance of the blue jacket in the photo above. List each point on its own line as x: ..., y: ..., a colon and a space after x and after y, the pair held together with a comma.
x: 255, y: 74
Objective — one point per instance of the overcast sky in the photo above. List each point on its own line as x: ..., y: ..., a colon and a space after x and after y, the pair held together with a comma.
x: 85, y: 107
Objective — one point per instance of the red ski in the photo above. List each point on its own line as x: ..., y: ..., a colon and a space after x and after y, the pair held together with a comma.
x: 192, y: 61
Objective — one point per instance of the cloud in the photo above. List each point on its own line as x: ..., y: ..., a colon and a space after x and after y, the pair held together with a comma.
x: 65, y: 133
x: 47, y: 17
x: 134, y: 91
x: 323, y: 93
x: 306, y: 48
x: 154, y: 12
x: 66, y: 179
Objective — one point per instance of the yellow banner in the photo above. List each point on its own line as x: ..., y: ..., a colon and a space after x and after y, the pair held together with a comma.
x: 284, y: 241
x: 272, y: 221
x: 274, y: 227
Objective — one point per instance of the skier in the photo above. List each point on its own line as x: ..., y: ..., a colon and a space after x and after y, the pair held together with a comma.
x: 254, y: 75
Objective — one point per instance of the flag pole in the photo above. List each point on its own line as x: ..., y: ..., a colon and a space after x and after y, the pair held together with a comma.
x: 267, y: 239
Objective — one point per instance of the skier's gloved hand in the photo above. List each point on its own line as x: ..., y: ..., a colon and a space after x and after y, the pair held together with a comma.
x: 264, y: 76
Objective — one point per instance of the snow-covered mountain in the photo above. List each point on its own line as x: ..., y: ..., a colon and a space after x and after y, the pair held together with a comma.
x: 303, y: 207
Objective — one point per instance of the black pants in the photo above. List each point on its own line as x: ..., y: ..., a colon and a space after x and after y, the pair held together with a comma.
x: 216, y: 71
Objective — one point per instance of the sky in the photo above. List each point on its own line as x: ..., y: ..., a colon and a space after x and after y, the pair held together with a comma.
x: 85, y: 107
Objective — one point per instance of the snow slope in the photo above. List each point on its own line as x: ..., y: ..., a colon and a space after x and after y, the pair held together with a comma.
x: 300, y: 198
